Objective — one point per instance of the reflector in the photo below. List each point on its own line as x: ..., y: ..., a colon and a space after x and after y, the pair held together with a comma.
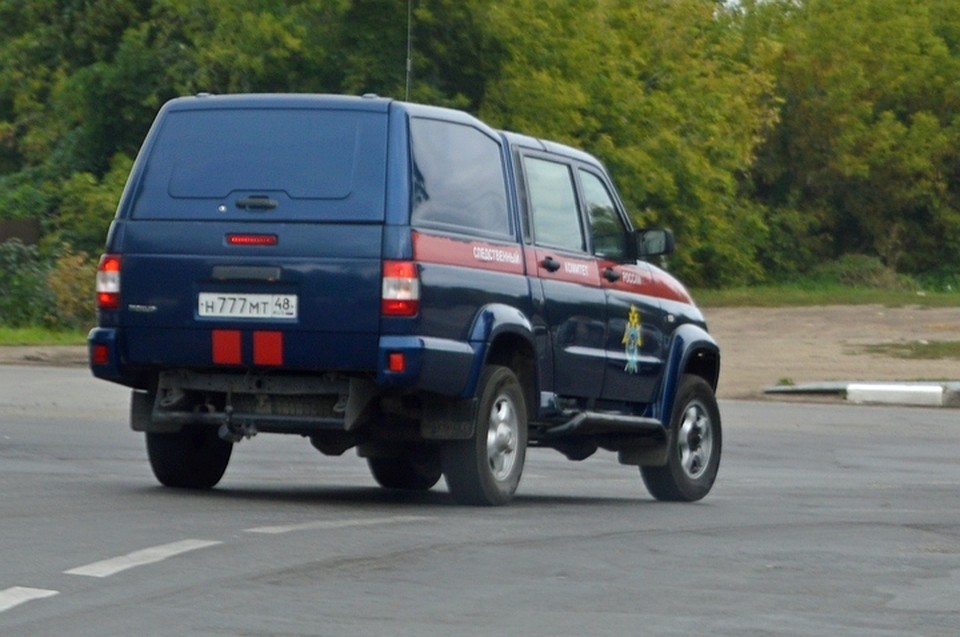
x: 396, y: 362
x: 100, y: 355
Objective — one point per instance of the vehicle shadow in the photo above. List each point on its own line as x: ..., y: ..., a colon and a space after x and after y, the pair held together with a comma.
x: 365, y: 496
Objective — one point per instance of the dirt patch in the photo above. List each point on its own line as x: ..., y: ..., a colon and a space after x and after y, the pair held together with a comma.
x: 50, y: 355
x: 760, y: 347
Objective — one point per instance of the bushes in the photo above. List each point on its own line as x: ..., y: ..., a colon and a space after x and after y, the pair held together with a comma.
x: 53, y: 290
x: 862, y: 271
x: 24, y: 296
x: 71, y: 280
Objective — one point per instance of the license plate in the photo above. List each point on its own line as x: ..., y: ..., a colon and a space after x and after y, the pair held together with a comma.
x: 247, y: 306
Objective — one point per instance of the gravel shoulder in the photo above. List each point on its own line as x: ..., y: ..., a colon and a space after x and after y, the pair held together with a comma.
x: 760, y: 347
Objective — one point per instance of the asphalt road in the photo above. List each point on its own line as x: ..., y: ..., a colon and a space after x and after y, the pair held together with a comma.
x: 825, y: 520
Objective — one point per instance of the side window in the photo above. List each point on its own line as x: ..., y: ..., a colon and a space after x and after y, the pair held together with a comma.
x: 606, y: 227
x: 458, y: 179
x: 553, y: 204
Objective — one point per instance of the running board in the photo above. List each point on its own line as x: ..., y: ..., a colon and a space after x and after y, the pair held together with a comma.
x: 636, y: 439
x: 589, y: 423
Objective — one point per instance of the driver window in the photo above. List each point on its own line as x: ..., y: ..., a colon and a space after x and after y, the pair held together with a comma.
x: 606, y: 227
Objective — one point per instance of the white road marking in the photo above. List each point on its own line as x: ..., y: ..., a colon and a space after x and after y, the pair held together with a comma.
x: 17, y: 595
x: 336, y: 524
x: 106, y: 568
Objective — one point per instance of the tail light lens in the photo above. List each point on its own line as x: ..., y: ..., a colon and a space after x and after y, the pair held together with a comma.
x: 108, y: 282
x: 252, y: 239
x: 401, y: 289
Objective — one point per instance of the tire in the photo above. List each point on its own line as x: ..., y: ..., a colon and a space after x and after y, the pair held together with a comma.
x: 694, y: 457
x: 193, y: 458
x: 485, y: 469
x: 417, y: 470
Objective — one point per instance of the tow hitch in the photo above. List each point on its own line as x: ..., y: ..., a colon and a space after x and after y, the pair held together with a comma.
x: 231, y: 431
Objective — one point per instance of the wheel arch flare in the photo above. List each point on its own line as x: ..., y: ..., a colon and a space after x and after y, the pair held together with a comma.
x: 691, y: 351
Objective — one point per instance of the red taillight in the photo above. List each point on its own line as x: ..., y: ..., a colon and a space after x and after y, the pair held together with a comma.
x: 401, y: 289
x: 108, y: 282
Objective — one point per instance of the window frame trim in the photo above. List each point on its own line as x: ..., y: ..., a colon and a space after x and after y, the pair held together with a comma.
x: 619, y: 210
x: 528, y: 227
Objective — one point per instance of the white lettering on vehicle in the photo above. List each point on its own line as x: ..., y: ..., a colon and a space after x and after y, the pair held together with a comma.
x: 580, y: 269
x: 496, y: 255
x: 632, y: 278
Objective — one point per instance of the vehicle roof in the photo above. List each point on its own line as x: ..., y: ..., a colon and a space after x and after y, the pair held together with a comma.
x: 279, y: 100
x: 518, y: 140
x: 372, y: 103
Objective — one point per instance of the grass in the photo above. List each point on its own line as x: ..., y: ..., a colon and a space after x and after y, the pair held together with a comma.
x: 12, y: 336
x: 925, y: 350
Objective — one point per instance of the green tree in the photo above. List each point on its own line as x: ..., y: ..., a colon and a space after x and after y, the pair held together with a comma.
x: 45, y: 42
x: 865, y: 157
x: 88, y: 205
x: 663, y: 93
x: 452, y: 53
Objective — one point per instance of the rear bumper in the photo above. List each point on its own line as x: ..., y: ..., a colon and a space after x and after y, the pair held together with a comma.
x: 104, y: 354
x: 436, y: 365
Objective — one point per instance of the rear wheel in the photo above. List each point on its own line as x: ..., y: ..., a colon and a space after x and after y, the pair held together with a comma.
x: 417, y: 470
x: 485, y: 469
x: 192, y: 458
x: 694, y: 457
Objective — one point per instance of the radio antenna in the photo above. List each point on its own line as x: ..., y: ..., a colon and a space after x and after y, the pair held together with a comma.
x: 406, y: 95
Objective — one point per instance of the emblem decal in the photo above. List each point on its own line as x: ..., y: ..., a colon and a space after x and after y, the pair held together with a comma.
x: 632, y: 340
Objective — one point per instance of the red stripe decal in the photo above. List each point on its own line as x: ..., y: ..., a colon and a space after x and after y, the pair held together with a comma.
x: 566, y: 268
x: 645, y: 279
x: 226, y: 347
x: 481, y: 255
x: 268, y: 348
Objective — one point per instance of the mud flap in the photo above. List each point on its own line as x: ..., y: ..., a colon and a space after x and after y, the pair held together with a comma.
x: 647, y: 452
x: 141, y: 415
x: 448, y: 418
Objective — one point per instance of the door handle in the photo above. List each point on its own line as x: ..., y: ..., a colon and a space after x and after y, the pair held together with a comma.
x: 550, y: 264
x: 257, y: 202
x: 611, y: 275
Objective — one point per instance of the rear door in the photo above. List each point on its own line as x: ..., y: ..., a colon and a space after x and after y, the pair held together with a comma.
x: 574, y: 301
x: 251, y: 232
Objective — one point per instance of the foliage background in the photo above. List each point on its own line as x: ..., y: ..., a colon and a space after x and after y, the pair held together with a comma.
x: 771, y: 135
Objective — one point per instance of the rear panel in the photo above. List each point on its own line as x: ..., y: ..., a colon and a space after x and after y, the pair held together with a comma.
x: 251, y: 235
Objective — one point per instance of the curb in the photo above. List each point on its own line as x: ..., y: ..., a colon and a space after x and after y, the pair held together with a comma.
x: 919, y: 394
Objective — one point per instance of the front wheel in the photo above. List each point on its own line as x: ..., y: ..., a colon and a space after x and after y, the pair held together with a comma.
x: 485, y: 469
x: 694, y: 455
x: 192, y: 458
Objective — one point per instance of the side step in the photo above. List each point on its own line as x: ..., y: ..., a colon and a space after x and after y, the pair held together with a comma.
x: 636, y: 439
x: 596, y: 422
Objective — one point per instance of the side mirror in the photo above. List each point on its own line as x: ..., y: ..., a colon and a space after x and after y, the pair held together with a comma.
x: 654, y: 243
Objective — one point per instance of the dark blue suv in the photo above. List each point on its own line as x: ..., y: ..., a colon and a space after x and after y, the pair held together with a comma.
x: 400, y: 279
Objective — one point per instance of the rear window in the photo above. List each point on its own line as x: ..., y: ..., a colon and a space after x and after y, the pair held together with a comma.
x: 458, y: 180
x: 293, y: 156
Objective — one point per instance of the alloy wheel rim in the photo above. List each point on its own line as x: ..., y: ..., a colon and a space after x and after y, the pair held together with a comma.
x: 502, y: 433
x: 695, y: 440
